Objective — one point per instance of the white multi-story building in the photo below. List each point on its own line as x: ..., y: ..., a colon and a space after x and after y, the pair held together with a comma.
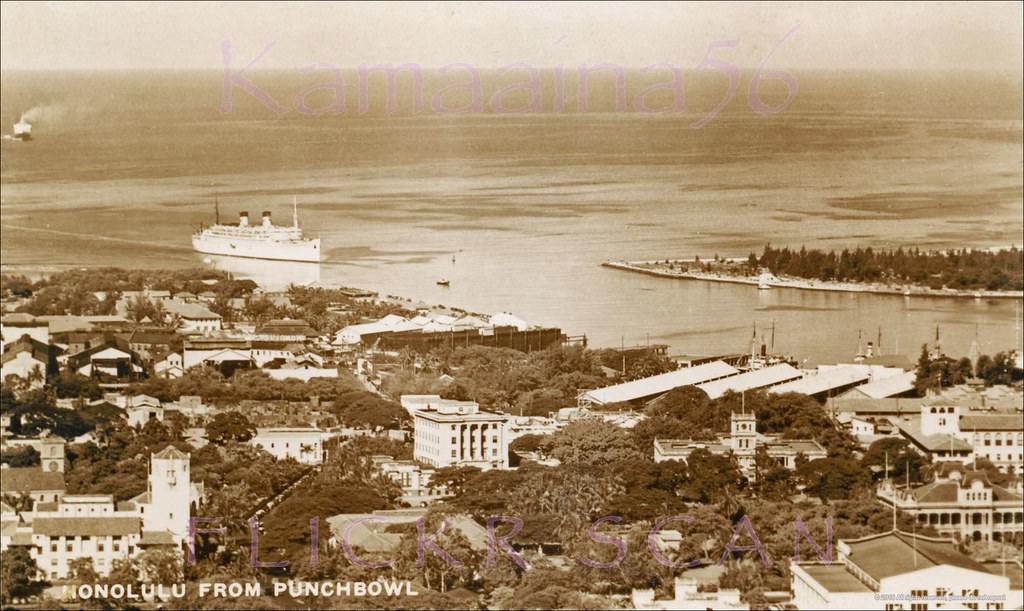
x: 57, y: 533
x: 948, y: 431
x: 170, y: 494
x: 417, y: 489
x: 897, y: 570
x: 460, y: 433
x: 997, y: 437
x: 961, y: 503
x: 302, y: 444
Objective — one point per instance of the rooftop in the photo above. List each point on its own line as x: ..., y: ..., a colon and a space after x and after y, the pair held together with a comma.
x: 758, y: 378
x: 825, y: 381
x: 991, y: 422
x: 896, y: 553
x: 888, y: 387
x: 932, y: 443
x: 171, y: 453
x: 660, y: 384
x: 23, y: 480
x: 834, y: 577
x: 74, y: 526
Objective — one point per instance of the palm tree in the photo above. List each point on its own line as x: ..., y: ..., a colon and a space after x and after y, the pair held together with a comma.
x: 35, y: 376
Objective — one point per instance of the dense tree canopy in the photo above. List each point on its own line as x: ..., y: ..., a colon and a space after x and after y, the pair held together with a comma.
x: 959, y: 269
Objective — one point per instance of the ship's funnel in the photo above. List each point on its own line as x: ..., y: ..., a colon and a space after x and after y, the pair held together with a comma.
x: 243, y: 219
x: 266, y: 218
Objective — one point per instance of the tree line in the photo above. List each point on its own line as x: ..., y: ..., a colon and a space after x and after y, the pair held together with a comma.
x: 964, y: 269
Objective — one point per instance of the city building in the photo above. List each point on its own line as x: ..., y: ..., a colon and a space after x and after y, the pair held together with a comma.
x: 302, y: 444
x: 999, y: 437
x: 949, y: 432
x: 150, y: 342
x: 414, y: 479
x: 961, y: 503
x: 32, y: 482
x: 886, y: 571
x: 460, y: 433
x: 71, y: 527
x: 934, y: 433
x: 689, y: 596
x: 29, y: 359
x: 371, y: 532
x: 171, y: 366
x: 193, y: 317
x: 140, y: 409
x: 109, y: 361
x: 742, y: 443
x: 14, y: 326
x: 286, y: 330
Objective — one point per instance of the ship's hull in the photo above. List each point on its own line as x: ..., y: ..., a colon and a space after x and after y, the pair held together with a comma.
x: 307, y: 251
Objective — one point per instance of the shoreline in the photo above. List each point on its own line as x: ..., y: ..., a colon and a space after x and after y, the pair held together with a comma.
x: 809, y: 285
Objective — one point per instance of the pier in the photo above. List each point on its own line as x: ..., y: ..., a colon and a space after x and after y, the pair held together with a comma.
x: 653, y: 268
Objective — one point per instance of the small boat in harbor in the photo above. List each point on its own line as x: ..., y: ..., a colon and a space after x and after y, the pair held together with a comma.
x: 443, y: 282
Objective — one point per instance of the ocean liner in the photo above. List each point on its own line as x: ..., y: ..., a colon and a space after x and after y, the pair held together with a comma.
x: 263, y: 241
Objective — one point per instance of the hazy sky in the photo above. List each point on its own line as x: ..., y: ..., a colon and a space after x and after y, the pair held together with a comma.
x: 121, y: 35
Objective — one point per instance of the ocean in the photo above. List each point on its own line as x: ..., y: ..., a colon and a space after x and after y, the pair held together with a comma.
x: 518, y: 209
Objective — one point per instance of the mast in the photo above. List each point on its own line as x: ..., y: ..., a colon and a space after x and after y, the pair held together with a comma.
x: 295, y: 212
x: 216, y: 210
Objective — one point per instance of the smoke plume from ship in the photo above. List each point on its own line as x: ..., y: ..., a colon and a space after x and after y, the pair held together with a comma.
x: 44, y: 113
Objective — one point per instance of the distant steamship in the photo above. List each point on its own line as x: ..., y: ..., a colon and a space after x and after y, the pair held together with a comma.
x: 23, y: 131
x: 263, y: 241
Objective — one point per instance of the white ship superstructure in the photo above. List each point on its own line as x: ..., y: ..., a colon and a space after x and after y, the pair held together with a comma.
x: 23, y: 130
x: 263, y: 241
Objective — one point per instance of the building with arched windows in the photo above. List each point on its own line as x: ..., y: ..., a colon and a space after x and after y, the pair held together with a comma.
x: 961, y: 503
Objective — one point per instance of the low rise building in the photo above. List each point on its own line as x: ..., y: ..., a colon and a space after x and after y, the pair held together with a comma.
x: 41, y: 486
x: 304, y: 445
x: 29, y: 359
x: 688, y: 596
x: 14, y: 326
x: 415, y: 480
x: 192, y: 317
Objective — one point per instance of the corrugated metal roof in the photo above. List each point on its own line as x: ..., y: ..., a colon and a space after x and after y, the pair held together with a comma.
x: 759, y: 378
x: 659, y: 384
x: 889, y: 387
x: 825, y: 381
